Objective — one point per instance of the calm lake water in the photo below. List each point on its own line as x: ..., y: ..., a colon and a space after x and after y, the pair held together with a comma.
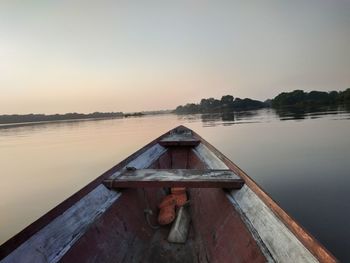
x: 301, y: 159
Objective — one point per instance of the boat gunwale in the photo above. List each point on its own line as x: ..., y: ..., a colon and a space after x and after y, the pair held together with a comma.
x: 18, y: 239
x: 306, y: 238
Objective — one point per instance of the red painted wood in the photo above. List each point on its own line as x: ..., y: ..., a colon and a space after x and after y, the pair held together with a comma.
x: 121, y: 234
x: 179, y: 157
x: 194, y: 162
x: 165, y: 160
x: 220, y: 233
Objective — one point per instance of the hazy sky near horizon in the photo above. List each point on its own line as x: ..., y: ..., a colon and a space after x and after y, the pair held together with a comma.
x: 85, y: 56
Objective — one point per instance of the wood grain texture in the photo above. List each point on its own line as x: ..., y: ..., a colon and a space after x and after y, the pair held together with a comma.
x: 220, y: 233
x: 283, y: 245
x: 183, y: 139
x: 191, y: 178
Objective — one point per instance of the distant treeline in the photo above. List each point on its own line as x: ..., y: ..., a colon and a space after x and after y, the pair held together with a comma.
x: 227, y: 103
x: 296, y: 98
x: 15, y: 118
x: 300, y: 98
x: 135, y: 114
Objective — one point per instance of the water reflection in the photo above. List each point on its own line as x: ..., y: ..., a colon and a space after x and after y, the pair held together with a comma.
x: 207, y: 119
x: 267, y: 115
x: 38, y: 126
x: 231, y: 118
x: 311, y: 113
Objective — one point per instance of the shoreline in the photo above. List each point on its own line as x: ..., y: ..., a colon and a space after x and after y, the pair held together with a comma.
x: 19, y: 124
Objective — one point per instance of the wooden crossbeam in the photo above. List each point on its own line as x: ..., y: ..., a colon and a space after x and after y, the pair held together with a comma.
x: 176, y: 178
x: 167, y: 143
x: 179, y: 140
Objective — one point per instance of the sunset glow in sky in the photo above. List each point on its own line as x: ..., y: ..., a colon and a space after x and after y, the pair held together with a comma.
x: 86, y: 56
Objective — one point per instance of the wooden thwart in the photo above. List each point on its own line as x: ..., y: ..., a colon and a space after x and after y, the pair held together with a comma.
x: 168, y: 143
x: 190, y: 178
x: 179, y: 140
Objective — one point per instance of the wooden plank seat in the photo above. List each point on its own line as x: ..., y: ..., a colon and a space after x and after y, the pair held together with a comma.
x: 190, y: 178
x: 179, y: 140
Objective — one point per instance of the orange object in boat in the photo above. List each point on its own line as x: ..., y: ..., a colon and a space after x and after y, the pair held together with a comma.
x: 168, y: 200
x: 166, y: 215
x: 167, y: 210
x: 180, y: 195
x: 181, y: 199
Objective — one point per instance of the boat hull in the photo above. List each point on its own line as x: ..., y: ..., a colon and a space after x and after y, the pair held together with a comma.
x: 99, y: 224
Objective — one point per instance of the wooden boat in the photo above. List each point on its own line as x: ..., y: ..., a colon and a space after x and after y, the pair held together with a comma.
x: 110, y: 220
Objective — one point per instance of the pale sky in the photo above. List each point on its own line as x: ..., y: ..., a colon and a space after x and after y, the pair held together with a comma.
x: 84, y: 56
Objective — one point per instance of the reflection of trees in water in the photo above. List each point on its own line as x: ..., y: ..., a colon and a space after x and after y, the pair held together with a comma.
x: 290, y: 113
x: 345, y: 107
x: 243, y: 115
x: 287, y: 113
x: 300, y: 113
x: 210, y: 120
x: 227, y: 118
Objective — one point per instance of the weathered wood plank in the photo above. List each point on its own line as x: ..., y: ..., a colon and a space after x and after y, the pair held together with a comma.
x: 190, y: 178
x: 265, y: 226
x: 184, y: 139
x: 209, y: 158
x: 191, y: 143
x: 283, y: 245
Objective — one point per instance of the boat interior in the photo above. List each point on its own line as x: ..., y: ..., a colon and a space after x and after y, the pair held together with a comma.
x: 225, y: 216
x: 122, y: 234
